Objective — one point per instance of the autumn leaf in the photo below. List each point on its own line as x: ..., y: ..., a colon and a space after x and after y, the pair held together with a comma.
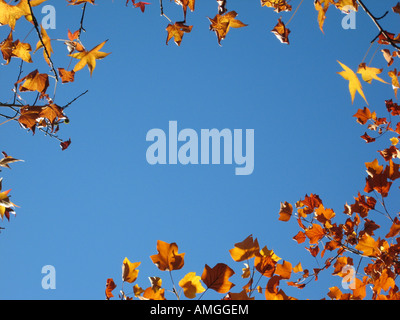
x: 129, y: 270
x: 245, y: 250
x: 34, y: 81
x: 363, y: 115
x: 5, y: 204
x: 285, y: 211
x: 281, y: 32
x: 347, y: 5
x: 22, y: 50
x: 217, y: 278
x: 369, y: 73
x: 368, y: 246
x: 186, y: 4
x: 396, y: 8
x: 221, y: 24
x: 66, y: 76
x: 89, y: 58
x: 65, y: 144
x: 322, y: 7
x: 278, y: 5
x: 168, y: 257
x: 265, y: 265
x: 315, y: 233
x: 354, y: 82
x: 150, y: 294
x: 7, y: 160
x: 110, y: 286
x: 176, y: 31
x: 284, y: 270
x: 47, y: 44
x: 142, y: 5
x: 395, y: 80
x: 394, y: 229
x: 191, y: 285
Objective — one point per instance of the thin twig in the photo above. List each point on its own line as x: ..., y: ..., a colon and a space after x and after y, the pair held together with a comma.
x: 375, y: 20
x: 71, y: 102
x: 81, y: 28
x: 41, y: 40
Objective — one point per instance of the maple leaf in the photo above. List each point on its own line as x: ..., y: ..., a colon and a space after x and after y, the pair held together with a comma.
x: 110, y: 286
x: 66, y: 76
x: 354, y: 82
x: 217, y: 278
x: 129, y: 270
x: 191, y: 285
x: 5, y: 204
x: 7, y: 160
x: 281, y: 32
x: 245, y: 250
x: 73, y: 45
x: 34, y: 81
x: 176, y: 31
x: 367, y: 138
x: 89, y: 58
x: 52, y: 112
x: 394, y: 229
x: 22, y: 50
x: 221, y: 24
x: 265, y: 265
x: 278, y: 5
x: 47, y: 43
x: 322, y: 7
x: 186, y: 4
x: 368, y: 73
x: 363, y: 115
x: 141, y: 5
x: 168, y: 257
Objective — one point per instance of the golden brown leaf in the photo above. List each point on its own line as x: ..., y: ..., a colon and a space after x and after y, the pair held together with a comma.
x: 176, y: 31
x: 168, y: 257
x: 281, y: 32
x: 221, y: 24
x: 89, y: 57
x: 217, y: 278
x: 129, y: 270
x: 285, y: 211
x: 245, y: 250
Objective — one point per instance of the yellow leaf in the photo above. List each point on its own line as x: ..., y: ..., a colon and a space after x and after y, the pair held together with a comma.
x: 129, y: 270
x: 47, y: 43
x: 269, y: 253
x: 245, y: 250
x: 354, y: 82
x: 368, y: 245
x: 89, y: 58
x: 191, y: 285
x: 368, y: 73
x: 394, y: 141
x: 22, y: 50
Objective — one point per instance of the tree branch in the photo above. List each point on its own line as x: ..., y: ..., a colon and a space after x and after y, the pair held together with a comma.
x: 375, y: 20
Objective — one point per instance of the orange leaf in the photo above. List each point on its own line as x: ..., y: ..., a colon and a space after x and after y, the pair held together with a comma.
x: 368, y: 245
x: 34, y: 81
x: 285, y: 212
x: 281, y: 32
x: 176, y: 31
x: 221, y: 24
x: 284, y: 270
x: 315, y: 233
x: 168, y: 257
x: 245, y: 250
x: 110, y: 286
x: 217, y: 278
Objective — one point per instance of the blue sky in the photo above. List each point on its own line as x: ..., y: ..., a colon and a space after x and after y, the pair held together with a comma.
x: 85, y: 209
